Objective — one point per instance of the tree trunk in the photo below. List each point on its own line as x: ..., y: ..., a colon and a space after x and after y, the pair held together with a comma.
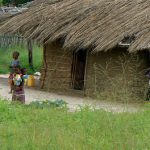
x: 30, y: 54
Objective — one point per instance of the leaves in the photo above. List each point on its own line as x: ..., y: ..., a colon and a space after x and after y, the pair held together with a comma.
x: 15, y: 2
x: 48, y: 104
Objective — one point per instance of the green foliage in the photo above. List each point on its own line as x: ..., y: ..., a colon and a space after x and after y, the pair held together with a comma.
x: 6, y: 58
x: 48, y: 104
x: 15, y: 2
x: 30, y: 128
x: 1, y: 1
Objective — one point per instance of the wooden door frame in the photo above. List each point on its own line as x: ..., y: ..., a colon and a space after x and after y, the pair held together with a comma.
x: 73, y: 68
x: 85, y: 71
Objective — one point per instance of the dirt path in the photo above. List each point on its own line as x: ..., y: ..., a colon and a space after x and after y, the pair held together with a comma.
x: 73, y: 101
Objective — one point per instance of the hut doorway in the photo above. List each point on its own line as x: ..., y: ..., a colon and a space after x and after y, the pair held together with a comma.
x: 78, y: 69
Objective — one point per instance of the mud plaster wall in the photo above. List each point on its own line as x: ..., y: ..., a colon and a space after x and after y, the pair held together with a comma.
x: 116, y: 72
x: 56, y: 72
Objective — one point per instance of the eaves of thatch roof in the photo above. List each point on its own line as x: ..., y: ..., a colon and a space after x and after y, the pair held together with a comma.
x: 100, y: 24
x: 4, y: 18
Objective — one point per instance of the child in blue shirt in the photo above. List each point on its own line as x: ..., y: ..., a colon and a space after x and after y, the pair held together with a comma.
x: 15, y: 63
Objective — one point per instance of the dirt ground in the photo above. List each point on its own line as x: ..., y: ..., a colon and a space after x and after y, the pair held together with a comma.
x: 74, y: 102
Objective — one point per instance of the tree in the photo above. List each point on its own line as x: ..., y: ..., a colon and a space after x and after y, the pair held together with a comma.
x: 15, y: 2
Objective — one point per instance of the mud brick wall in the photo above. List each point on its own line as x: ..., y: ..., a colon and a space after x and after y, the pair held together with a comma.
x: 116, y: 71
x: 113, y: 72
x: 56, y: 73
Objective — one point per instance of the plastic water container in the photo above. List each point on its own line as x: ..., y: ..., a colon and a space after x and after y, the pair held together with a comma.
x: 31, y: 81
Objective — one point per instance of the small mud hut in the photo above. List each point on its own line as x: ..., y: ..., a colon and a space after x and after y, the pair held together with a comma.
x: 93, y: 46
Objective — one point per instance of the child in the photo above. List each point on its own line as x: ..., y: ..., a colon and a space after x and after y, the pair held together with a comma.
x: 25, y: 76
x: 18, y: 86
x: 14, y: 64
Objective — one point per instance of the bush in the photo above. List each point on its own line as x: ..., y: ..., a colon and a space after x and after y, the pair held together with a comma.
x: 15, y: 2
x: 48, y: 104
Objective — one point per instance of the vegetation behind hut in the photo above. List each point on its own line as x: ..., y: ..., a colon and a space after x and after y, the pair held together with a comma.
x: 14, y: 2
x: 6, y: 57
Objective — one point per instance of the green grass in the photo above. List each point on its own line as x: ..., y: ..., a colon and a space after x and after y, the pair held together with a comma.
x: 32, y: 128
x: 6, y: 58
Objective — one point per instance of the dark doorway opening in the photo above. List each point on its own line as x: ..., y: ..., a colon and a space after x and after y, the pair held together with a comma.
x: 78, y: 69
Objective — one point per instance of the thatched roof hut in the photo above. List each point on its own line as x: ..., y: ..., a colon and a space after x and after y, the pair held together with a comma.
x: 79, y: 21
x: 93, y: 26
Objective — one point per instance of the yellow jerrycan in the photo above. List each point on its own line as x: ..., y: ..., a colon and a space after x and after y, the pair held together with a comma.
x: 31, y: 81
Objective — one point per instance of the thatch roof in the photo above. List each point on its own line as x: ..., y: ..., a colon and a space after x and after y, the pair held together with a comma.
x: 100, y: 24
x: 4, y: 18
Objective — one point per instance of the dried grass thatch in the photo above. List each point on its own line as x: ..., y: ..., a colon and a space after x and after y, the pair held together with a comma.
x: 4, y: 18
x: 100, y: 24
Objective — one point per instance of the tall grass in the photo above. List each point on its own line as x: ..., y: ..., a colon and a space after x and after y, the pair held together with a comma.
x: 31, y: 128
x: 6, y: 58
